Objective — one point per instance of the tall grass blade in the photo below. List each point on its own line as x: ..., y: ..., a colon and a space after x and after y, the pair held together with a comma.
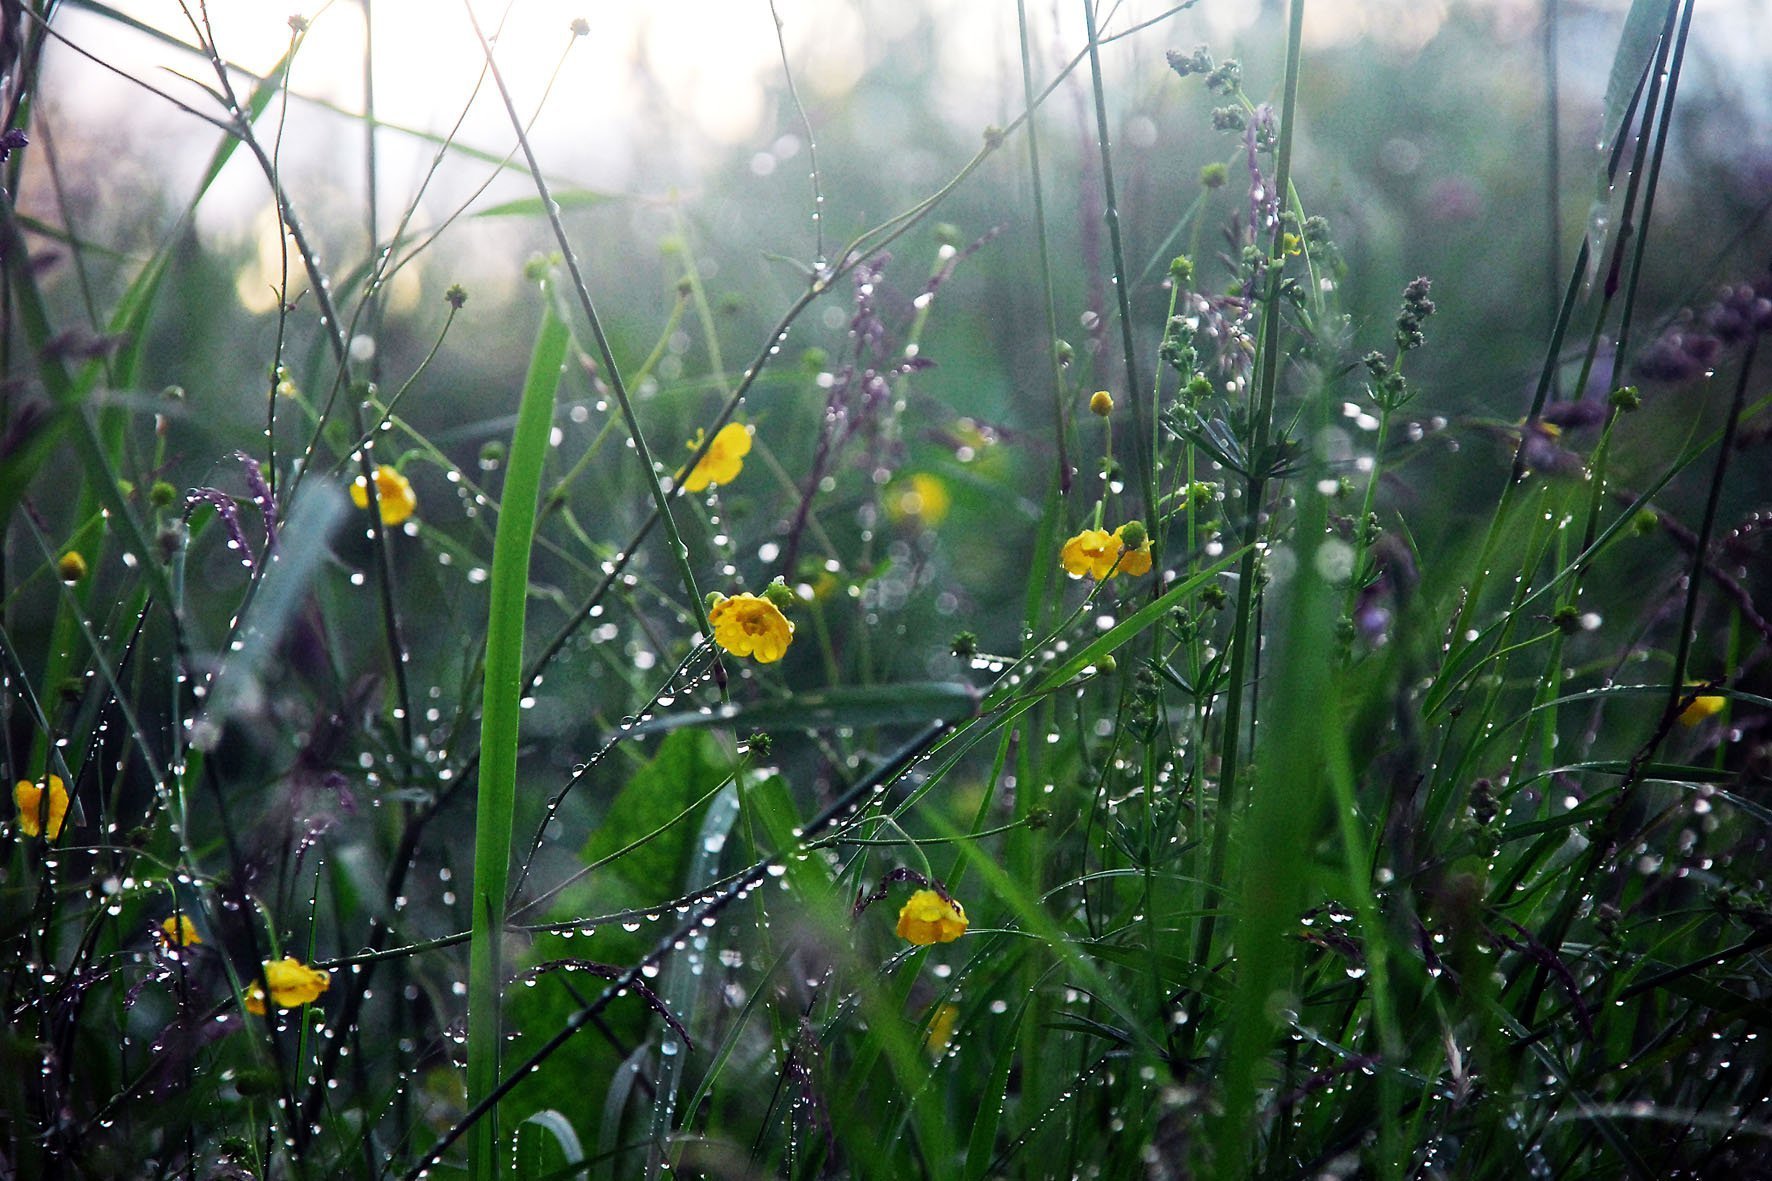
x: 501, y: 714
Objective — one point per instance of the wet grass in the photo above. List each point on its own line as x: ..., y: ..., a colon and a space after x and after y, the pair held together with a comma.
x: 1405, y: 818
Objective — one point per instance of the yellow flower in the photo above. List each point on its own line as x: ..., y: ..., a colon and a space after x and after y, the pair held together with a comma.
x: 181, y: 930
x: 392, y: 489
x: 941, y: 1030
x: 31, y: 810
x: 1705, y: 706
x: 71, y: 567
x: 1093, y: 552
x: 750, y: 625
x: 1090, y: 554
x: 292, y: 983
x: 724, y: 460
x: 1101, y: 403
x: 929, y: 918
x: 922, y: 496
x: 1133, y: 561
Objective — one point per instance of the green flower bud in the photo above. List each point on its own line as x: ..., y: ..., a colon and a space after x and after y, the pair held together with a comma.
x: 779, y: 593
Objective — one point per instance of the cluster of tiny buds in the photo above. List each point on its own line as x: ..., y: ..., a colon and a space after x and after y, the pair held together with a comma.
x: 1416, y: 308
x: 1197, y: 62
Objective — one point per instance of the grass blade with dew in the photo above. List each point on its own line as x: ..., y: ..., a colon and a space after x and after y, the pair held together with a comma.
x: 501, y: 712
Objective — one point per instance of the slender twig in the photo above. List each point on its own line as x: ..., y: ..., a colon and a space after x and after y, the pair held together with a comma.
x: 787, y: 72
x: 1147, y: 462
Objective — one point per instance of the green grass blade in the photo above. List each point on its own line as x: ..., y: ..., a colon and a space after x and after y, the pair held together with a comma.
x: 1289, y: 796
x: 500, y: 716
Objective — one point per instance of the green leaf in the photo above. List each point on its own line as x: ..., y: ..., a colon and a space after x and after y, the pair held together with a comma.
x: 988, y: 1116
x: 564, y: 199
x: 1630, y: 63
x: 658, y: 800
x: 557, y: 1126
x: 499, y: 722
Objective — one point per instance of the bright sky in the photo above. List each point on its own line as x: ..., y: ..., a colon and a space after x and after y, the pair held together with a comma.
x: 656, y: 88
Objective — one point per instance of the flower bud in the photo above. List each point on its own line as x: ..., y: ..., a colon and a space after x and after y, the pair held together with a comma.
x: 780, y: 594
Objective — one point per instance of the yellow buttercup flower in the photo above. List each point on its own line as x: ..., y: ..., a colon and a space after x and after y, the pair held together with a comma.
x: 292, y: 983
x: 922, y: 496
x: 1093, y: 552
x: 1101, y: 403
x: 941, y: 1030
x: 1703, y: 707
x: 71, y: 567
x: 1134, y: 560
x: 929, y: 918
x: 181, y: 930
x: 392, y: 489
x: 34, y: 817
x: 724, y: 459
x: 1090, y: 554
x: 750, y: 625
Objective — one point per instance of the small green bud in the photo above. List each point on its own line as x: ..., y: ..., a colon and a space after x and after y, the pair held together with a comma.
x: 1567, y: 619
x: 685, y: 287
x: 780, y: 594
x: 251, y: 1081
x: 1214, y: 176
x: 760, y: 744
x: 1181, y: 269
x: 1199, y: 386
x: 712, y: 599
x: 1197, y: 62
x: 162, y: 494
x: 964, y: 645
x: 1644, y: 523
x: 1133, y: 534
x: 1225, y: 78
x: 1107, y: 664
x: 1213, y: 596
x: 1626, y: 398
x: 456, y: 296
x: 1039, y: 818
x: 948, y: 234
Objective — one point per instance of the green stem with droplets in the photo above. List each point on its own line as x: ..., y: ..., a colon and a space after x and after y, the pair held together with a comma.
x: 501, y: 712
